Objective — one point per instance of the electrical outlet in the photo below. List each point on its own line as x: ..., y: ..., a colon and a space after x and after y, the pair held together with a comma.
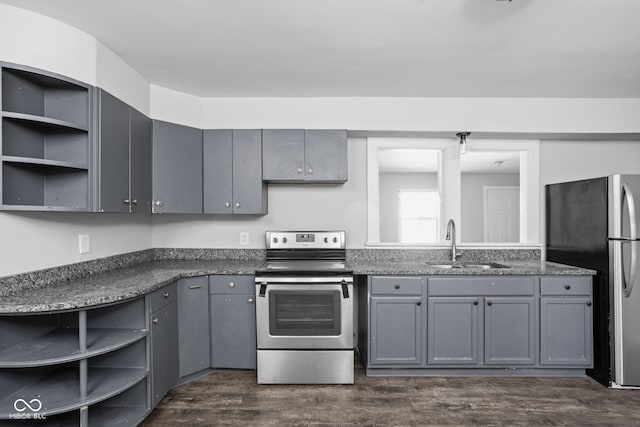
x: 244, y: 238
x: 84, y: 243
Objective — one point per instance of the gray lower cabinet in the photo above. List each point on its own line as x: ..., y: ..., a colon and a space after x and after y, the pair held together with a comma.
x: 482, y: 321
x: 163, y: 324
x: 177, y: 168
x: 458, y: 323
x: 299, y: 155
x: 233, y: 182
x: 123, y: 157
x: 233, y: 322
x: 193, y: 325
x: 453, y: 330
x: 396, y: 331
x: 566, y: 329
x: 397, y: 319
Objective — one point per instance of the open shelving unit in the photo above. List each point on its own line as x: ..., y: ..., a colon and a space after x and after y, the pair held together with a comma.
x: 85, y: 367
x: 45, y: 141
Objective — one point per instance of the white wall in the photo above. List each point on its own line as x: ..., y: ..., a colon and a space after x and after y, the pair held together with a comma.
x: 38, y: 240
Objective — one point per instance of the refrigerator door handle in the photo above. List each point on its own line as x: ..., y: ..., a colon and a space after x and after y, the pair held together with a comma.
x: 628, y: 193
x: 628, y: 286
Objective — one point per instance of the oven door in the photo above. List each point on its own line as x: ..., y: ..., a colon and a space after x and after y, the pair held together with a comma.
x: 304, y: 314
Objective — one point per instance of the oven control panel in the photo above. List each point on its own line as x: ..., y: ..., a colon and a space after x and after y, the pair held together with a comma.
x: 305, y: 239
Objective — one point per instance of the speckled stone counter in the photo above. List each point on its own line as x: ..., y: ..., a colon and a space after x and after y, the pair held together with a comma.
x: 116, y: 285
x: 514, y: 268
x: 126, y: 276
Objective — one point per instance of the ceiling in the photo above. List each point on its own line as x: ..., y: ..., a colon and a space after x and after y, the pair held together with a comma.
x: 383, y: 48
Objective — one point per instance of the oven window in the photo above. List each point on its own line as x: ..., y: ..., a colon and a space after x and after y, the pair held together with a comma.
x: 307, y: 313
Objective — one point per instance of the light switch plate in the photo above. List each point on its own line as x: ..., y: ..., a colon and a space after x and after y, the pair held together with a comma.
x: 84, y: 243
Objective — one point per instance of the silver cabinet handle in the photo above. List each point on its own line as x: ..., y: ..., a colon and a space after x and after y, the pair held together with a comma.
x: 299, y: 170
x: 166, y: 295
x: 237, y: 204
x: 126, y: 201
x: 227, y: 204
x: 155, y: 321
x: 232, y: 285
x: 250, y: 300
x: 134, y: 201
x: 194, y: 286
x: 310, y: 171
x: 158, y: 203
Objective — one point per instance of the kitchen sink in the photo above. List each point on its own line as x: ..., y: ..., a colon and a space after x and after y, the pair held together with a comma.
x: 474, y: 266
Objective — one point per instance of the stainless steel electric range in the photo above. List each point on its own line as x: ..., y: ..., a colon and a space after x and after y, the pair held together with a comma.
x: 304, y: 309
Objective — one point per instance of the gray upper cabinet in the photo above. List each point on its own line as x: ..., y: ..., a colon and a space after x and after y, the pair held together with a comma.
x: 44, y: 148
x: 295, y: 155
x: 177, y: 168
x: 232, y: 162
x: 124, y: 157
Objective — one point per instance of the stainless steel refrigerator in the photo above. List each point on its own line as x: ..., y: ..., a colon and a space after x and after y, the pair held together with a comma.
x: 594, y: 224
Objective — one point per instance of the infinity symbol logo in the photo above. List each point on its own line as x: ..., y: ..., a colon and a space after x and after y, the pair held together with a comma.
x: 21, y: 405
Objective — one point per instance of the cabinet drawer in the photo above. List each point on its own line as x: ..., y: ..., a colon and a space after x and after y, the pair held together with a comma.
x: 565, y: 286
x: 232, y: 285
x: 163, y: 296
x: 481, y: 286
x: 396, y: 285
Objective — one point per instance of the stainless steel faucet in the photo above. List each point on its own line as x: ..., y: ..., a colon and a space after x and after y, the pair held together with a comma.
x: 451, y: 235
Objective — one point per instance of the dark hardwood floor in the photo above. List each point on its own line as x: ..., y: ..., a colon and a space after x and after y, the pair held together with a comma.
x: 234, y: 398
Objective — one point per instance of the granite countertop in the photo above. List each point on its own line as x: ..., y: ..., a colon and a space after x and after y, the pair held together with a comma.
x: 515, y: 268
x: 120, y: 283
x: 117, y: 285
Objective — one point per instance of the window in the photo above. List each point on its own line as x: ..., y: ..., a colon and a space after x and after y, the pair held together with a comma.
x: 419, y: 216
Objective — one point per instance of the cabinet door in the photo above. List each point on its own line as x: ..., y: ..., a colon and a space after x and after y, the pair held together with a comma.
x: 140, y: 161
x: 396, y: 331
x: 509, y: 331
x: 283, y: 154
x: 193, y: 324
x: 454, y: 330
x: 218, y: 171
x: 164, y: 350
x: 113, y: 154
x: 249, y: 191
x: 177, y: 168
x: 566, y: 331
x: 326, y: 155
x: 233, y: 331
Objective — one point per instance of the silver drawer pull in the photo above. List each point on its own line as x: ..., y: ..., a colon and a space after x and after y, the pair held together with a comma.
x: 166, y: 295
x: 567, y: 287
x: 232, y: 285
x: 194, y: 286
x: 155, y: 321
x: 250, y: 300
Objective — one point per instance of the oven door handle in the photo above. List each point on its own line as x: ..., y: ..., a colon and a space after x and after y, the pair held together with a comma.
x: 345, y: 290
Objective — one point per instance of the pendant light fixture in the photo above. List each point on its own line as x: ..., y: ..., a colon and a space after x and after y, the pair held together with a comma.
x: 463, y: 141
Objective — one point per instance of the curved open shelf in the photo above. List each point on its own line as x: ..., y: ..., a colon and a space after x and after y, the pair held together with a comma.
x: 44, y: 122
x: 44, y: 162
x: 61, y: 346
x: 58, y: 391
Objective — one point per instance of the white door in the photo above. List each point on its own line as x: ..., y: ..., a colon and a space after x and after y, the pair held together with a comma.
x: 501, y: 214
